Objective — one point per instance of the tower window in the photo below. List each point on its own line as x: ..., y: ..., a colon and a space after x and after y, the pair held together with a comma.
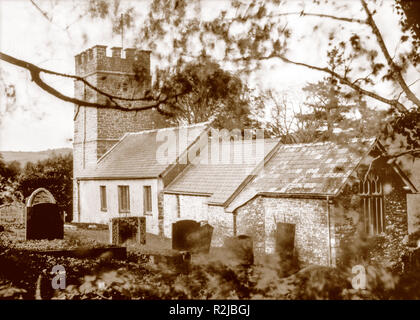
x: 372, y: 204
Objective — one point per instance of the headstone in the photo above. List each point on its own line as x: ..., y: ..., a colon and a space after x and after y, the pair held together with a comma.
x: 240, y: 250
x: 125, y: 229
x: 12, y: 213
x: 43, y: 218
x: 191, y: 236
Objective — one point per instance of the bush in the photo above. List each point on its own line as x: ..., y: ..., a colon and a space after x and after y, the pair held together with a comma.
x: 54, y: 174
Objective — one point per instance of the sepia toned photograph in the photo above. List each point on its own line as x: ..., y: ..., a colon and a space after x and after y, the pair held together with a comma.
x: 227, y: 151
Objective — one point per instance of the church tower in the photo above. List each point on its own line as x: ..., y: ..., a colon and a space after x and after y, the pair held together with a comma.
x: 125, y: 73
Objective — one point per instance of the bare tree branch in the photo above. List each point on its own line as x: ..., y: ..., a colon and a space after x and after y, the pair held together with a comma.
x: 31, y: 66
x: 395, y: 70
x: 43, y: 13
x: 35, y: 71
x: 394, y: 103
x: 412, y: 152
x: 319, y: 15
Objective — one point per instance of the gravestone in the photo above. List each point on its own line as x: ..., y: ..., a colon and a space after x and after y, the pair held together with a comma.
x: 285, y: 241
x: 125, y: 229
x: 240, y: 250
x: 189, y: 235
x: 12, y: 213
x: 43, y: 219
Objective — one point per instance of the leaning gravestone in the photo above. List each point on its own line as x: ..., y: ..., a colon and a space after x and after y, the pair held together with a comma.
x: 125, y: 229
x: 189, y: 235
x: 43, y: 218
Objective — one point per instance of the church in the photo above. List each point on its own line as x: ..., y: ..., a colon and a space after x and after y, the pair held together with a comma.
x: 124, y: 165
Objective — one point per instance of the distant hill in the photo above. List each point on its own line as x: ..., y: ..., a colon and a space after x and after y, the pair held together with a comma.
x: 33, y: 156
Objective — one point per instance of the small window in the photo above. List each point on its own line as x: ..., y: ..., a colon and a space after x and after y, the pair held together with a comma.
x: 147, y: 199
x: 124, y: 198
x: 102, y: 190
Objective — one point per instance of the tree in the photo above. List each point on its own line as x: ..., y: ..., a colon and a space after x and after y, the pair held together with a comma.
x: 54, y: 174
x: 247, y: 34
x: 281, y: 120
x: 332, y: 108
x: 214, y: 95
x: 264, y: 36
x: 409, y: 11
x: 9, y: 173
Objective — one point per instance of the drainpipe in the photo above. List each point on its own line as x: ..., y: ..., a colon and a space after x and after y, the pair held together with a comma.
x: 234, y: 224
x: 329, y: 232
x: 78, y: 199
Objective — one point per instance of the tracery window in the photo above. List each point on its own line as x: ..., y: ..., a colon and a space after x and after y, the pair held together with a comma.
x: 372, y: 203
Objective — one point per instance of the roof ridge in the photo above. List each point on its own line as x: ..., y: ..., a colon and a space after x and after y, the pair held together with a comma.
x: 365, y: 154
x: 245, y: 141
x: 353, y: 140
x: 170, y: 128
x: 252, y: 175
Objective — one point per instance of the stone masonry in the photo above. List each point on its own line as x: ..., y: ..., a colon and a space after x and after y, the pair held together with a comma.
x: 96, y: 130
x: 259, y: 218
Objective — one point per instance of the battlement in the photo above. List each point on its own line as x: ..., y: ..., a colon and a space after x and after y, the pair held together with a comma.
x: 96, y: 59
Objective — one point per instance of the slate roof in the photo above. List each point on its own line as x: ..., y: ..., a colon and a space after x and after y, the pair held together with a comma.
x: 306, y: 169
x: 137, y: 154
x: 220, y: 180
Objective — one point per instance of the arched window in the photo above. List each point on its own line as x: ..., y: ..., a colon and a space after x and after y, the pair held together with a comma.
x: 373, y: 205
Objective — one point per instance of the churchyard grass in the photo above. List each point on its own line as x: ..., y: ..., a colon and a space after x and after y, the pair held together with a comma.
x: 24, y: 274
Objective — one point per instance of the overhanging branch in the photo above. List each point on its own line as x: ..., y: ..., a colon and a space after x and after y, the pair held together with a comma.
x: 395, y: 70
x: 112, y: 103
x: 394, y: 103
x: 318, y: 15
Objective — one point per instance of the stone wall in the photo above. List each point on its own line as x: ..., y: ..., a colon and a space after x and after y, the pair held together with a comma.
x: 413, y: 212
x: 250, y: 221
x: 193, y: 207
x: 259, y: 218
x: 222, y: 223
x: 349, y: 221
x: 12, y: 213
x: 128, y: 77
x: 396, y: 210
x: 183, y: 207
x: 97, y: 130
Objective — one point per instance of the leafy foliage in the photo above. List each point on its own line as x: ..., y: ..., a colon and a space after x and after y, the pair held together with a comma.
x: 409, y: 12
x: 209, y: 277
x: 244, y: 36
x: 54, y: 174
x: 9, y: 173
x: 248, y: 34
x: 213, y: 94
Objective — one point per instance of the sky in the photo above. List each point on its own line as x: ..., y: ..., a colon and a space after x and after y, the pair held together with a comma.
x: 39, y: 121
